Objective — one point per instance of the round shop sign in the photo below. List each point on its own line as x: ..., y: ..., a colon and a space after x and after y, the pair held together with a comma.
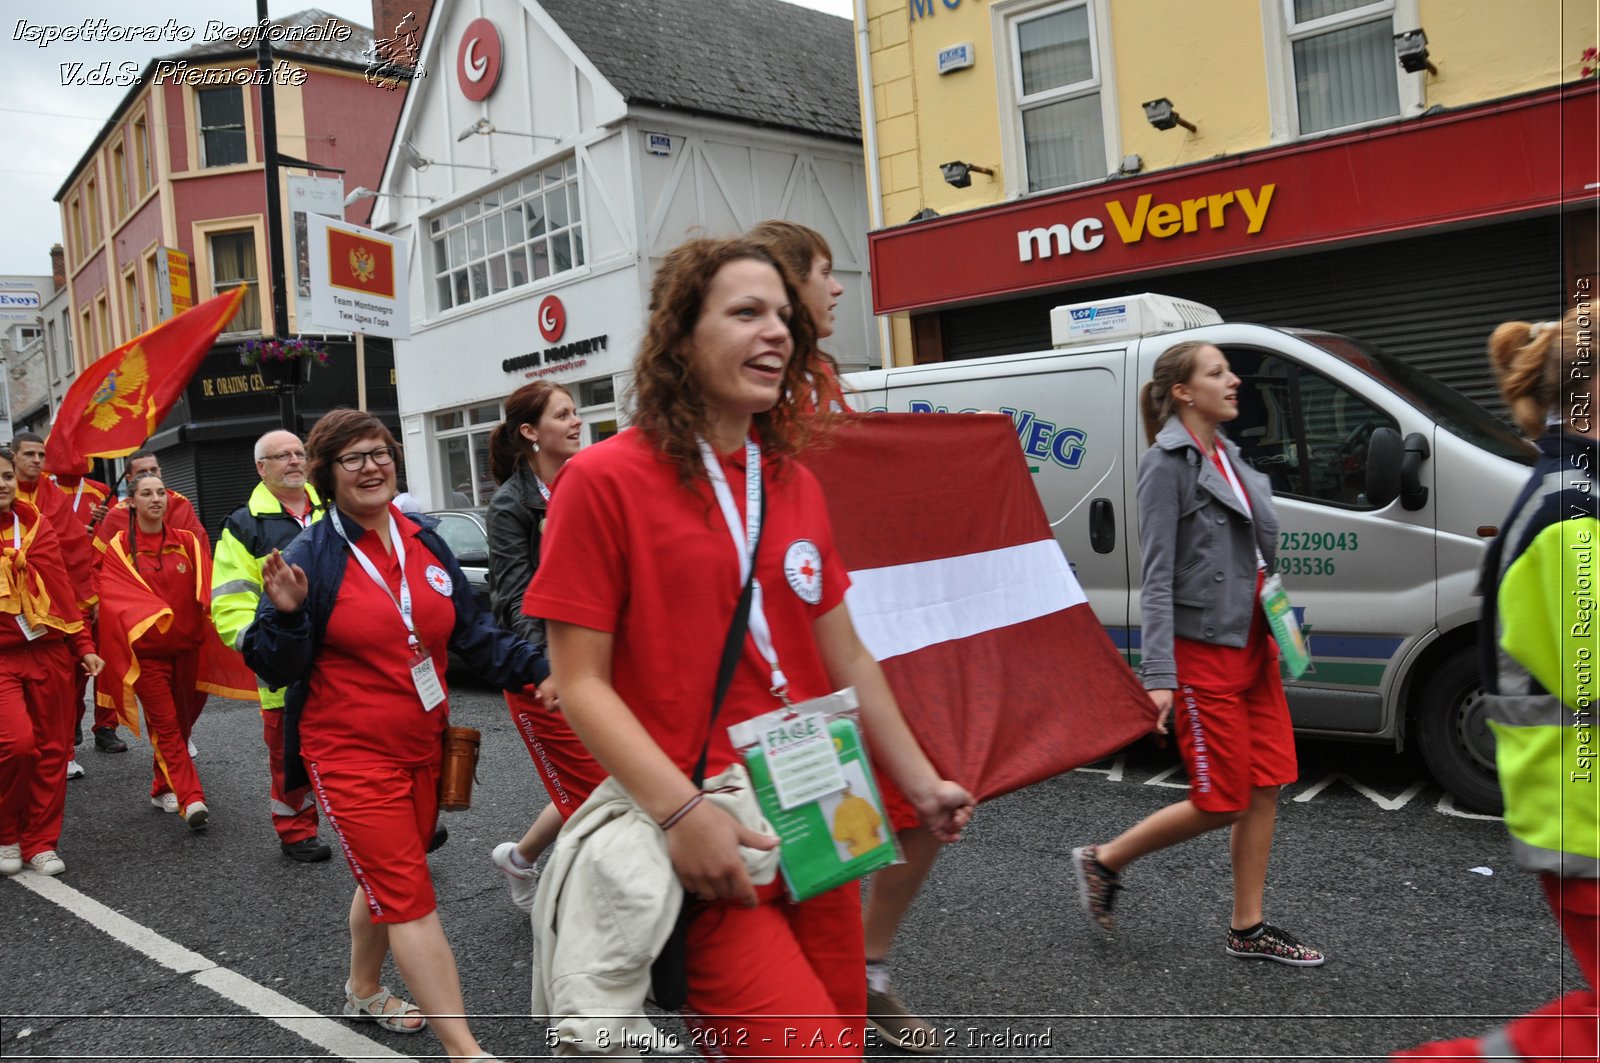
x: 552, y: 319
x: 478, y: 60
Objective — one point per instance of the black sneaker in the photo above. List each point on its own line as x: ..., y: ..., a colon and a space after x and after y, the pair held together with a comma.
x: 106, y: 741
x: 1270, y: 943
x: 312, y: 850
x: 1097, y: 886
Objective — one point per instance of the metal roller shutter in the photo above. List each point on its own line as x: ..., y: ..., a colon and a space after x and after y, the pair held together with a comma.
x: 1431, y: 300
x: 227, y: 476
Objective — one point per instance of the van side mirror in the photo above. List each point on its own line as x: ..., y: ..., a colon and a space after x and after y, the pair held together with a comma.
x: 476, y: 556
x: 1385, y: 452
x: 1413, y: 495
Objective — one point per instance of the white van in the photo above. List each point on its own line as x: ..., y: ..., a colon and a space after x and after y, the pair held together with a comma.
x: 1388, y: 487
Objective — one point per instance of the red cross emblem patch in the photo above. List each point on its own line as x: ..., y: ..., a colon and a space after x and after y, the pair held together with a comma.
x: 439, y: 580
x: 802, y: 567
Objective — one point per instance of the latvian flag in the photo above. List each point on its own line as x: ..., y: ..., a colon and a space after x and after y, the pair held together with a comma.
x: 959, y: 589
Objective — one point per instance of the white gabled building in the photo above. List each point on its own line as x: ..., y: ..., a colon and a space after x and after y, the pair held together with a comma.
x: 554, y: 150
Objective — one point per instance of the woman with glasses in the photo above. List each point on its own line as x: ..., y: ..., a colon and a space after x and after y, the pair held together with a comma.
x: 357, y: 619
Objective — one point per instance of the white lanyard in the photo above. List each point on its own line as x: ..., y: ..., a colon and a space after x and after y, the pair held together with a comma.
x: 1233, y: 480
x: 16, y: 532
x: 404, y: 602
x: 1238, y: 490
x: 760, y: 631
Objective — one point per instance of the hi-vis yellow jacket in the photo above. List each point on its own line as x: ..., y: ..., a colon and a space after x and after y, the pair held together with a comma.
x: 1539, y: 659
x: 249, y: 536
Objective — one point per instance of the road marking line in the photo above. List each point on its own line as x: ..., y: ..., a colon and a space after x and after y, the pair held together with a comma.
x: 334, y: 1036
x: 1388, y: 804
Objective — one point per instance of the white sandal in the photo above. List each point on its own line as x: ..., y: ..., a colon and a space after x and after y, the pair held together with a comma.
x: 372, y: 1009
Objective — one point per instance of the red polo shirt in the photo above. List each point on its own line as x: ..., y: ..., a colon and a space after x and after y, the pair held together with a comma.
x: 362, y: 707
x: 631, y: 551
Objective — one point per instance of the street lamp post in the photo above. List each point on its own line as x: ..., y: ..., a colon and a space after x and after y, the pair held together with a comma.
x: 269, y: 143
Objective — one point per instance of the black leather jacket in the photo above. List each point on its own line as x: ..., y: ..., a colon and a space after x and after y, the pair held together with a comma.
x: 515, y: 514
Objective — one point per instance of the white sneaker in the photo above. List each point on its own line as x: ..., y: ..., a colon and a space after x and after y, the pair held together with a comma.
x: 194, y: 754
x: 10, y: 859
x: 167, y: 802
x: 524, y: 881
x: 196, y: 815
x: 74, y: 770
x: 47, y: 863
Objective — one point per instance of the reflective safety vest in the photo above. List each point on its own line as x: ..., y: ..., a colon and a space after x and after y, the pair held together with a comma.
x: 249, y: 536
x: 1540, y: 666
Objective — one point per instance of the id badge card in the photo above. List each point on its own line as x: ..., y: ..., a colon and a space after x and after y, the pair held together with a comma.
x: 29, y: 632
x: 426, y: 679
x: 815, y: 784
x: 1285, y: 627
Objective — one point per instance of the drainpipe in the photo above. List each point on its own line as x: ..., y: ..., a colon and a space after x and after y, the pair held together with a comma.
x: 869, y: 136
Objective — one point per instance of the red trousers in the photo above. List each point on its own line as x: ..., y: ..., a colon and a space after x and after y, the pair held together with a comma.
x: 294, y: 812
x: 563, y: 762
x: 787, y: 975
x: 1567, y: 1027
x: 171, y: 706
x: 104, y: 715
x: 36, y: 721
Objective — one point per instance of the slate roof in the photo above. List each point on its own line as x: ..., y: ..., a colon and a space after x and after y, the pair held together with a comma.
x: 332, y: 51
x: 768, y: 62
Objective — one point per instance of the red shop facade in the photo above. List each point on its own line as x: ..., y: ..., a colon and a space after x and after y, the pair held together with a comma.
x: 1420, y: 237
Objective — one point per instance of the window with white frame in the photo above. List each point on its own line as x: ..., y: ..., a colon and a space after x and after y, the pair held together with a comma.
x: 1057, y: 86
x: 462, y: 437
x: 1342, y: 56
x: 233, y: 265
x: 519, y: 233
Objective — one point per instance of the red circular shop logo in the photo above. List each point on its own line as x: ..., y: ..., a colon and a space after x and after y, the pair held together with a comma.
x: 552, y: 319
x: 478, y: 60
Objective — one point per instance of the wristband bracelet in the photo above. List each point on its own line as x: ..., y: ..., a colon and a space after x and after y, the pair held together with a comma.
x: 688, y: 806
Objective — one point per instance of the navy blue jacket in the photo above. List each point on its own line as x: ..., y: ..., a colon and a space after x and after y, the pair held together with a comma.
x: 282, y: 648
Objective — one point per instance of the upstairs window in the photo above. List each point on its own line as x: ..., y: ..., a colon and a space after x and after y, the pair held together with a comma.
x: 1059, y: 133
x: 233, y: 265
x: 222, y: 141
x: 1344, y: 67
x: 517, y: 234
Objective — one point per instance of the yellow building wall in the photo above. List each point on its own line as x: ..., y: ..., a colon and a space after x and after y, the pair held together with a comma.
x: 1486, y: 49
x: 1208, y: 56
x: 1209, y: 59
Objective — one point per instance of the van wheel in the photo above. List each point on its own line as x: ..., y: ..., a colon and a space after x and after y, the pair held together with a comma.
x: 1454, y: 734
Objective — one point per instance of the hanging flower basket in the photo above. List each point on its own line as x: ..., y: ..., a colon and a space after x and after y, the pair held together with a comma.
x: 283, y: 363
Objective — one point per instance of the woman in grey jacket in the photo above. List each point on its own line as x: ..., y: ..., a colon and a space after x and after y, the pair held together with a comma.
x: 540, y: 432
x: 1208, y: 534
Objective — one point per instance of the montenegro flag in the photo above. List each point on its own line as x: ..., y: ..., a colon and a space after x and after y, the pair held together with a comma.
x: 358, y: 262
x: 116, y: 403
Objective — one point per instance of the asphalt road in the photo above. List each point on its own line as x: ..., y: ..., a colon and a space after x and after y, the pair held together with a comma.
x: 1430, y: 932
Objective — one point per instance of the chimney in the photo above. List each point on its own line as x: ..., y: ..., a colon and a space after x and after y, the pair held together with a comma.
x: 387, y: 17
x: 58, y: 266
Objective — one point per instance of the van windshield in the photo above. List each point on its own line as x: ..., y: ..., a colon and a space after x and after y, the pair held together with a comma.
x: 1453, y: 412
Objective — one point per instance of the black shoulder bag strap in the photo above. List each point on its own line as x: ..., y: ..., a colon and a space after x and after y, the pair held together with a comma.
x: 669, y: 979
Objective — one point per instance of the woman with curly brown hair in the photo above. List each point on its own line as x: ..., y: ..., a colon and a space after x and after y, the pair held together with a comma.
x: 639, y: 586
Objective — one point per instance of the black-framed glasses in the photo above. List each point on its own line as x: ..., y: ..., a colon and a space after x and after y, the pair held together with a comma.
x: 286, y: 455
x: 354, y: 462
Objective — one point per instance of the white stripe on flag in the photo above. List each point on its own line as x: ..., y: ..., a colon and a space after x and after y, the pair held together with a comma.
x: 903, y: 608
